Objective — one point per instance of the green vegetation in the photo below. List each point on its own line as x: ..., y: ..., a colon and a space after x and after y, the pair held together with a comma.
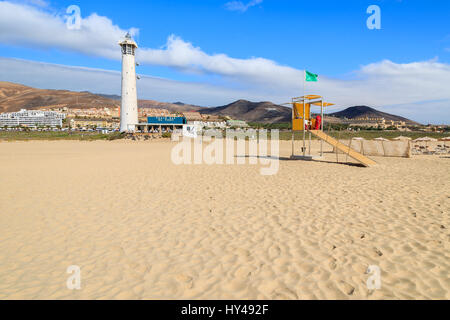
x: 50, y: 135
x: 336, y: 126
x: 284, y: 135
x: 288, y: 126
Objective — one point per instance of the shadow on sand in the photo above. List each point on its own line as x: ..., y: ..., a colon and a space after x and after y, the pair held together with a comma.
x: 351, y: 164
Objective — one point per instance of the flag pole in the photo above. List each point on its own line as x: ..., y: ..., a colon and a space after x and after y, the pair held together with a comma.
x: 293, y: 132
x: 304, y: 111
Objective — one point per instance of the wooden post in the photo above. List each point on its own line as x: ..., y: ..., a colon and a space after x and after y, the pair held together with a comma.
x: 304, y: 126
x: 309, y: 147
x: 337, y: 155
x: 349, y: 146
x: 321, y: 128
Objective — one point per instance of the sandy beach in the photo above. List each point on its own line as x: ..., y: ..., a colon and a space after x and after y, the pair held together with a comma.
x: 140, y: 227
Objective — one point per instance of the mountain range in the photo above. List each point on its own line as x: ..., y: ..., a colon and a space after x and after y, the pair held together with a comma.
x: 14, y: 97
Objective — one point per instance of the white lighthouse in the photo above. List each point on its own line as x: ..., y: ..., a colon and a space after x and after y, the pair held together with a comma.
x: 129, y: 107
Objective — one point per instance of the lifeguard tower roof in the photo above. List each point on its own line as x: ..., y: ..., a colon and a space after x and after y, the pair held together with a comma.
x: 308, y: 99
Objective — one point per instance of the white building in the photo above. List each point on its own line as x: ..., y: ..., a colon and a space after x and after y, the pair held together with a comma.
x: 129, y: 107
x: 32, y: 118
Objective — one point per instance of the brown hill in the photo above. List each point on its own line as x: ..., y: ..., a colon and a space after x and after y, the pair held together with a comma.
x: 14, y: 97
x: 264, y: 112
x: 176, y: 107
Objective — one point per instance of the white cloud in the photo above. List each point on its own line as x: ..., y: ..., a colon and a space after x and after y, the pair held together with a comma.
x: 366, y: 90
x: 27, y: 25
x: 240, y: 6
x: 435, y: 112
x: 183, y: 55
x: 30, y: 26
x: 389, y: 83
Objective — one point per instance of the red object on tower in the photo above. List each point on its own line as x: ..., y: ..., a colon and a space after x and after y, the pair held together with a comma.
x: 318, y: 122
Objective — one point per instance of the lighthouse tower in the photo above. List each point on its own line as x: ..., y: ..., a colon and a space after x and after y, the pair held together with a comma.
x: 129, y: 108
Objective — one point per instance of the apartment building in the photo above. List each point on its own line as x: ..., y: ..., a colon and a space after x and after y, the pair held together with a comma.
x: 32, y: 118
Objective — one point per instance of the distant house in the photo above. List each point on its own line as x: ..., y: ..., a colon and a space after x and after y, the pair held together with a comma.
x: 212, y: 121
x: 375, y: 123
x: 94, y: 113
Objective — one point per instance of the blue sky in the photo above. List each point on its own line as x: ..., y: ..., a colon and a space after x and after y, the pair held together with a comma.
x: 325, y: 36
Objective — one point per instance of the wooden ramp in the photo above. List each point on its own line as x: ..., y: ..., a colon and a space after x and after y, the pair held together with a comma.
x: 345, y: 149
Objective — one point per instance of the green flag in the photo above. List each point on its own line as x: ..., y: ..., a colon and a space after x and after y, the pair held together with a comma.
x: 311, y: 77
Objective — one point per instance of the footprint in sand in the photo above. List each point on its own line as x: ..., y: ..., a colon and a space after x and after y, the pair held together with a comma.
x: 284, y: 294
x: 243, y: 253
x: 407, y: 248
x: 274, y: 252
x: 243, y: 272
x: 377, y: 252
x: 117, y: 252
x: 235, y: 285
x: 185, y: 280
x: 268, y: 287
x: 306, y: 267
x: 136, y: 270
x: 360, y: 268
x: 293, y: 276
x: 332, y: 264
